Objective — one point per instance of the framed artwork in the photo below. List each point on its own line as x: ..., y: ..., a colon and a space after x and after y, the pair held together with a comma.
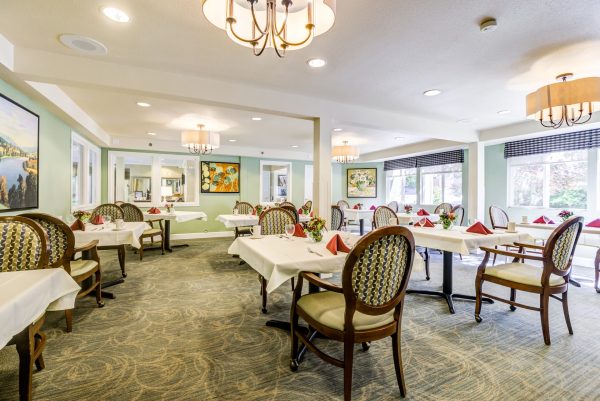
x: 220, y: 178
x: 361, y: 183
x: 19, y: 146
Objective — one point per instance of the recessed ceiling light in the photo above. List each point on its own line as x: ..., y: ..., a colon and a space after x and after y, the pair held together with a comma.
x: 256, y: 118
x: 83, y: 44
x: 295, y: 146
x: 501, y: 112
x: 488, y: 25
x: 337, y: 130
x: 232, y: 140
x: 115, y: 14
x: 432, y: 92
x: 316, y: 62
x: 143, y: 104
x: 399, y: 138
x: 151, y: 133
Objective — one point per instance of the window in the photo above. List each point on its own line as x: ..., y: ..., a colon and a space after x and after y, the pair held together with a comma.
x: 551, y: 180
x: 441, y: 183
x: 85, y: 181
x: 153, y: 179
x: 402, y: 186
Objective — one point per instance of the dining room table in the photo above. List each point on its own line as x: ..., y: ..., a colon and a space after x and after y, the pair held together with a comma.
x: 247, y: 220
x: 360, y: 215
x: 412, y: 218
x: 458, y: 240
x: 178, y: 216
x: 25, y: 296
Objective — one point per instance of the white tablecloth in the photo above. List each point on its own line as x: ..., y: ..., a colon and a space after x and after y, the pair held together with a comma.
x: 245, y: 220
x: 590, y: 236
x: 407, y: 218
x: 459, y: 241
x: 279, y: 259
x: 108, y: 236
x: 356, y: 214
x: 26, y: 295
x: 179, y: 216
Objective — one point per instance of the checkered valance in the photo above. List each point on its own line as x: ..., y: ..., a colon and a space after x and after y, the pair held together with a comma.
x: 433, y: 159
x: 555, y: 143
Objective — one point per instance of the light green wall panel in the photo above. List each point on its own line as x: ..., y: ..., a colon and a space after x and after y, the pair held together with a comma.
x: 367, y: 202
x: 495, y: 179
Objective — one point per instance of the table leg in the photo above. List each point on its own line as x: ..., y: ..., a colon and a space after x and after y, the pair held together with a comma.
x: 361, y: 225
x: 597, y: 271
x: 105, y: 284
x: 168, y: 246
x: 285, y: 325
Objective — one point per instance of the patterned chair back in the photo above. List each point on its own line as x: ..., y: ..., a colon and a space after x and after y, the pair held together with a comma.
x: 343, y: 204
x: 382, y: 216
x: 377, y: 270
x: 109, y: 209
x: 23, y: 244
x: 61, y: 240
x: 244, y: 208
x: 286, y: 203
x: 119, y: 203
x: 559, y: 250
x: 459, y: 212
x: 131, y: 212
x: 337, y: 218
x: 443, y: 207
x: 308, y: 205
x: 272, y: 221
x: 393, y: 205
x: 292, y: 209
x: 498, y: 217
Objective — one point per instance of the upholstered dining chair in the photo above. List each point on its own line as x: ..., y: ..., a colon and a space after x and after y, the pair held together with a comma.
x: 61, y: 250
x: 459, y: 212
x: 343, y: 204
x: 292, y: 209
x: 115, y: 212
x: 272, y: 222
x: 548, y: 281
x: 134, y: 213
x: 286, y: 203
x: 393, y: 205
x: 499, y: 219
x: 308, y: 206
x: 243, y: 208
x: 368, y: 306
x: 337, y: 218
x: 443, y: 207
x: 24, y: 246
x: 382, y: 216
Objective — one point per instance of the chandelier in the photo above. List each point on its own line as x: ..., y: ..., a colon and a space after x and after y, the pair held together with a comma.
x: 259, y: 24
x: 345, y: 153
x: 200, y: 141
x: 568, y: 102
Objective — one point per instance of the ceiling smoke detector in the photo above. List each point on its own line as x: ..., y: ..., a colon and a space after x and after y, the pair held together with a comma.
x: 488, y: 25
x: 83, y: 44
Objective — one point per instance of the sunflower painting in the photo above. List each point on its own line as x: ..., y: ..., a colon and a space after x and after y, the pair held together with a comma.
x: 220, y: 177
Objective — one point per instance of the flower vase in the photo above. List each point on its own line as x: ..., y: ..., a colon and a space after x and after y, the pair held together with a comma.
x: 316, y: 236
x: 447, y: 225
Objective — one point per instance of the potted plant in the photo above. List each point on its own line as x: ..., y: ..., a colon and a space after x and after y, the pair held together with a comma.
x: 565, y: 214
x: 314, y: 228
x: 447, y: 219
x: 408, y: 209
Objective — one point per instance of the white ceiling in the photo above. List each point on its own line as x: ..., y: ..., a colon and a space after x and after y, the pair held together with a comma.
x: 381, y: 54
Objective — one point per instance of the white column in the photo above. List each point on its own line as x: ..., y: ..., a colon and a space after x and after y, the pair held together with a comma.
x: 322, y: 168
x: 476, y: 205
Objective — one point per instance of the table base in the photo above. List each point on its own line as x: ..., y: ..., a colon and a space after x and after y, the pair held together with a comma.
x: 449, y: 297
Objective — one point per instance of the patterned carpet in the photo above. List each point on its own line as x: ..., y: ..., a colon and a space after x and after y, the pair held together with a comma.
x: 187, y: 326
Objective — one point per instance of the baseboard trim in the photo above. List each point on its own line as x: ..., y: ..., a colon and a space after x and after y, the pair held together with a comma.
x: 213, y: 234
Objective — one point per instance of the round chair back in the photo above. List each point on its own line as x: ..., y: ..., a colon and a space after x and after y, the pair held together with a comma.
x: 244, y: 208
x: 393, y: 205
x: 498, y: 217
x: 61, y: 240
x: 382, y: 216
x: 559, y: 250
x: 108, y: 209
x: 23, y: 244
x: 292, y: 209
x: 459, y: 212
x: 131, y: 212
x: 308, y: 206
x: 443, y: 208
x: 343, y: 204
x: 286, y: 203
x: 337, y: 217
x: 273, y: 221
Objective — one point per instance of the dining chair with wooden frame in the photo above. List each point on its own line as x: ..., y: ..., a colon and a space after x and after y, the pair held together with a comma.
x: 115, y: 212
x: 368, y: 306
x: 443, y: 207
x: 133, y: 213
x: 343, y: 204
x: 243, y: 208
x: 337, y: 218
x: 61, y: 245
x: 394, y: 206
x: 382, y: 217
x: 292, y: 209
x: 547, y: 281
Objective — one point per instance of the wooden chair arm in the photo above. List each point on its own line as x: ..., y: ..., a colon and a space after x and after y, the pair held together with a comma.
x: 87, y: 247
x: 532, y: 246
x: 515, y: 255
x: 314, y: 279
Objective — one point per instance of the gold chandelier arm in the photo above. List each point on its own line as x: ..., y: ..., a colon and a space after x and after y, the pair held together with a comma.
x: 293, y: 44
x: 279, y: 32
x: 238, y: 37
x: 255, y: 21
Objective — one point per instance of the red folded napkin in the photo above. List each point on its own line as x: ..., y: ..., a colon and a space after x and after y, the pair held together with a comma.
x: 424, y: 223
x: 299, y: 231
x: 312, y: 214
x: 422, y: 212
x: 154, y: 210
x: 479, y: 228
x: 372, y: 207
x: 543, y: 220
x: 300, y: 211
x: 336, y: 244
x: 97, y: 220
x: 355, y: 207
x: 595, y: 223
x: 78, y: 225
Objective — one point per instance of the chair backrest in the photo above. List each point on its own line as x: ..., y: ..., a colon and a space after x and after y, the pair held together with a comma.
x: 23, y: 244
x: 377, y: 270
x: 292, y: 209
x: 337, y: 217
x: 393, y: 205
x: 119, y: 203
x: 443, y: 207
x: 382, y: 216
x: 307, y: 205
x: 459, y: 212
x: 244, y: 208
x: 343, y: 204
x: 498, y: 217
x: 286, y: 203
x: 61, y: 240
x: 559, y: 250
x: 109, y: 209
x: 273, y: 221
x: 131, y: 212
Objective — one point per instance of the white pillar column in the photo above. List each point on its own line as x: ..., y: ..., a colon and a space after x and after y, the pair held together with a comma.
x: 322, y: 168
x: 476, y: 205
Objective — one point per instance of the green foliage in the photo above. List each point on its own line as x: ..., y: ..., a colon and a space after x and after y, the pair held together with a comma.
x: 572, y: 198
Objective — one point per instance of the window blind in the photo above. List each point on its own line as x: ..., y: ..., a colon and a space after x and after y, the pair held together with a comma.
x: 555, y: 143
x: 433, y: 159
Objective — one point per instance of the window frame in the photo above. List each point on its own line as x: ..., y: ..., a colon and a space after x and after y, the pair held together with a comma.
x: 388, y: 185
x: 443, y: 184
x: 88, y: 148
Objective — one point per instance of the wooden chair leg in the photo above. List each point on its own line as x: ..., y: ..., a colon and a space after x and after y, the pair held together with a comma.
x: 162, y: 244
x: 293, y: 286
x: 427, y: 277
x: 478, y: 285
x: 348, y: 360
x: 99, y: 300
x: 544, y: 298
x: 398, y: 362
x: 25, y: 348
x: 141, y: 249
x: 494, y: 260
x: 39, y: 341
x: 263, y: 291
x: 513, y: 297
x: 69, y: 319
x: 121, y: 254
x: 294, y: 340
x: 565, y: 304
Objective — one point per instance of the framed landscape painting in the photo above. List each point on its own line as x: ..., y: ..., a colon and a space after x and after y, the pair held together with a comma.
x: 220, y: 177
x: 362, y: 183
x: 19, y: 145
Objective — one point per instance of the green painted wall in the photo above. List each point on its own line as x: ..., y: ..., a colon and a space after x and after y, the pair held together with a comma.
x: 341, y: 190
x: 54, y: 156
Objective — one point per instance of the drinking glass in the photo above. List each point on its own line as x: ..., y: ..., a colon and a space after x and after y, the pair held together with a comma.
x: 107, y: 219
x: 289, y: 230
